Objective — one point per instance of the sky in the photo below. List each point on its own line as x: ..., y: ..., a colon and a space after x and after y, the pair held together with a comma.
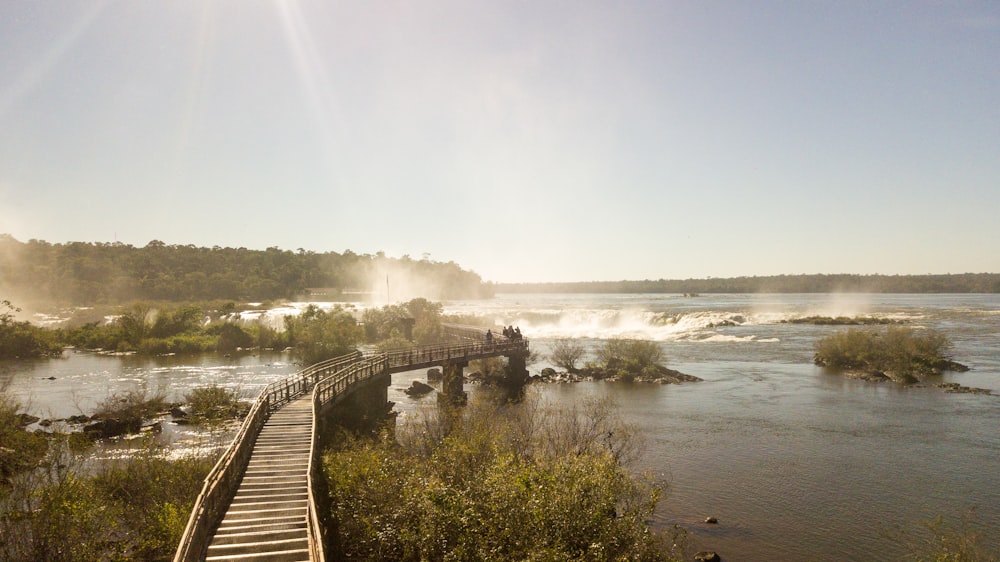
x: 527, y: 141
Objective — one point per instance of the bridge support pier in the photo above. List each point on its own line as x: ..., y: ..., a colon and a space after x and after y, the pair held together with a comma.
x: 516, y: 376
x: 365, y: 409
x: 452, y: 392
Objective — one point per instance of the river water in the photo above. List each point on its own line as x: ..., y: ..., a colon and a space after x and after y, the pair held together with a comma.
x: 797, y: 463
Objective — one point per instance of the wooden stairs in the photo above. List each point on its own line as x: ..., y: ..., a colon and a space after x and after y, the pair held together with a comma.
x: 268, y: 516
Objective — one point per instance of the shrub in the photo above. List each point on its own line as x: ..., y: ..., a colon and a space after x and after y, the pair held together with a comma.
x: 630, y: 356
x: 566, y: 353
x: 134, y: 508
x: 130, y: 408
x: 902, y: 352
x: 318, y: 335
x: 501, y: 483
x: 20, y: 450
x: 212, y: 403
x: 231, y: 337
x: 22, y: 339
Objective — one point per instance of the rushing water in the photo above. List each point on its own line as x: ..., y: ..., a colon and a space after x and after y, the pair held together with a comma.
x: 797, y: 463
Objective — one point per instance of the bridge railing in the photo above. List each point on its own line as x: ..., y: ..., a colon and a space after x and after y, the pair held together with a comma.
x: 224, y: 478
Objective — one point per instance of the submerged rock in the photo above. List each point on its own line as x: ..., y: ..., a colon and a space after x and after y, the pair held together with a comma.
x: 707, y: 556
x: 26, y: 419
x: 418, y: 388
x: 108, y: 428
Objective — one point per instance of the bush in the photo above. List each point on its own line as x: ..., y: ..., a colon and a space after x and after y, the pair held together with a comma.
x: 132, y: 509
x: 231, y: 337
x: 630, y: 356
x: 20, y: 450
x: 900, y: 352
x: 503, y: 483
x: 212, y: 403
x: 130, y: 408
x: 566, y: 353
x: 22, y: 339
x: 318, y: 335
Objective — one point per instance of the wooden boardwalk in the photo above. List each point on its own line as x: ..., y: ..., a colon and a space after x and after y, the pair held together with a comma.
x: 265, y: 472
x: 267, y: 518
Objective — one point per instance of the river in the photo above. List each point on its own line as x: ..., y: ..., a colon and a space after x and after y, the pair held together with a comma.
x: 795, y: 462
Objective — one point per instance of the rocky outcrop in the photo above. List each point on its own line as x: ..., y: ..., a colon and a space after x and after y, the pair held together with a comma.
x: 24, y: 420
x: 707, y: 556
x: 659, y: 375
x: 105, y: 429
x: 418, y: 388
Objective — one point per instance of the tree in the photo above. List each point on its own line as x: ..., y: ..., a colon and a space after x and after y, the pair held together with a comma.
x: 318, y: 335
x: 630, y: 356
x: 566, y: 353
x: 21, y: 339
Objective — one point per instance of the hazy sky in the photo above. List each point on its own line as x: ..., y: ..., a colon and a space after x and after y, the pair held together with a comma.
x: 526, y: 140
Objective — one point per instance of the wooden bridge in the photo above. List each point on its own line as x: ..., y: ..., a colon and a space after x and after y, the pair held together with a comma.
x: 257, y: 502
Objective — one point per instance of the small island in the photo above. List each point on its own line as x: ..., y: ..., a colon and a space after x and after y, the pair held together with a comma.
x: 842, y: 321
x: 618, y: 360
x: 900, y: 354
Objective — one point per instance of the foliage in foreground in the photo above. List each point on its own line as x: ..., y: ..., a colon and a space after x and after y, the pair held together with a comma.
x: 20, y: 450
x: 503, y: 483
x: 134, y: 508
x: 944, y: 540
x: 900, y: 353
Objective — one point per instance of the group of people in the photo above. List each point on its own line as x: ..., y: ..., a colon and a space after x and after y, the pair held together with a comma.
x: 509, y: 332
x: 512, y: 332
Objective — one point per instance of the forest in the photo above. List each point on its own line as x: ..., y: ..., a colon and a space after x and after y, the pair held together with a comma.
x: 88, y: 273
x: 817, y: 283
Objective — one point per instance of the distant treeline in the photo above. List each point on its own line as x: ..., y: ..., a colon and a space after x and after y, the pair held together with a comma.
x: 84, y: 273
x: 957, y: 283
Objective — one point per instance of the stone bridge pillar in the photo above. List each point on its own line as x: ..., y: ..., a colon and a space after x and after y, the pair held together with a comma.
x: 452, y: 392
x: 517, y: 368
x: 365, y: 409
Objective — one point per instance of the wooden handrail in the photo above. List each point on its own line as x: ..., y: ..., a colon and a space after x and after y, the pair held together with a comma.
x: 221, y: 483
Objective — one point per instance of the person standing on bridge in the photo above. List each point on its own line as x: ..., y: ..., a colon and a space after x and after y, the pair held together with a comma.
x: 489, y: 336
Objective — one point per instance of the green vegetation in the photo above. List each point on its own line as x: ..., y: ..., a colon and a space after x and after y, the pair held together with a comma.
x: 952, y: 283
x: 390, y: 322
x: 80, y: 273
x: 944, y: 540
x: 500, y: 483
x: 842, y: 321
x: 20, y: 450
x: 134, y: 508
x: 122, y: 414
x: 59, y: 504
x: 159, y: 329
x: 213, y: 404
x: 318, y: 335
x: 628, y: 359
x: 900, y: 353
x: 22, y: 340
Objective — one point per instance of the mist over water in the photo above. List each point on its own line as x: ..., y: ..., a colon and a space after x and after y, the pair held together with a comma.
x: 664, y: 318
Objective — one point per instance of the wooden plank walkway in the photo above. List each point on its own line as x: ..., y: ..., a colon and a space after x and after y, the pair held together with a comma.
x: 268, y: 516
